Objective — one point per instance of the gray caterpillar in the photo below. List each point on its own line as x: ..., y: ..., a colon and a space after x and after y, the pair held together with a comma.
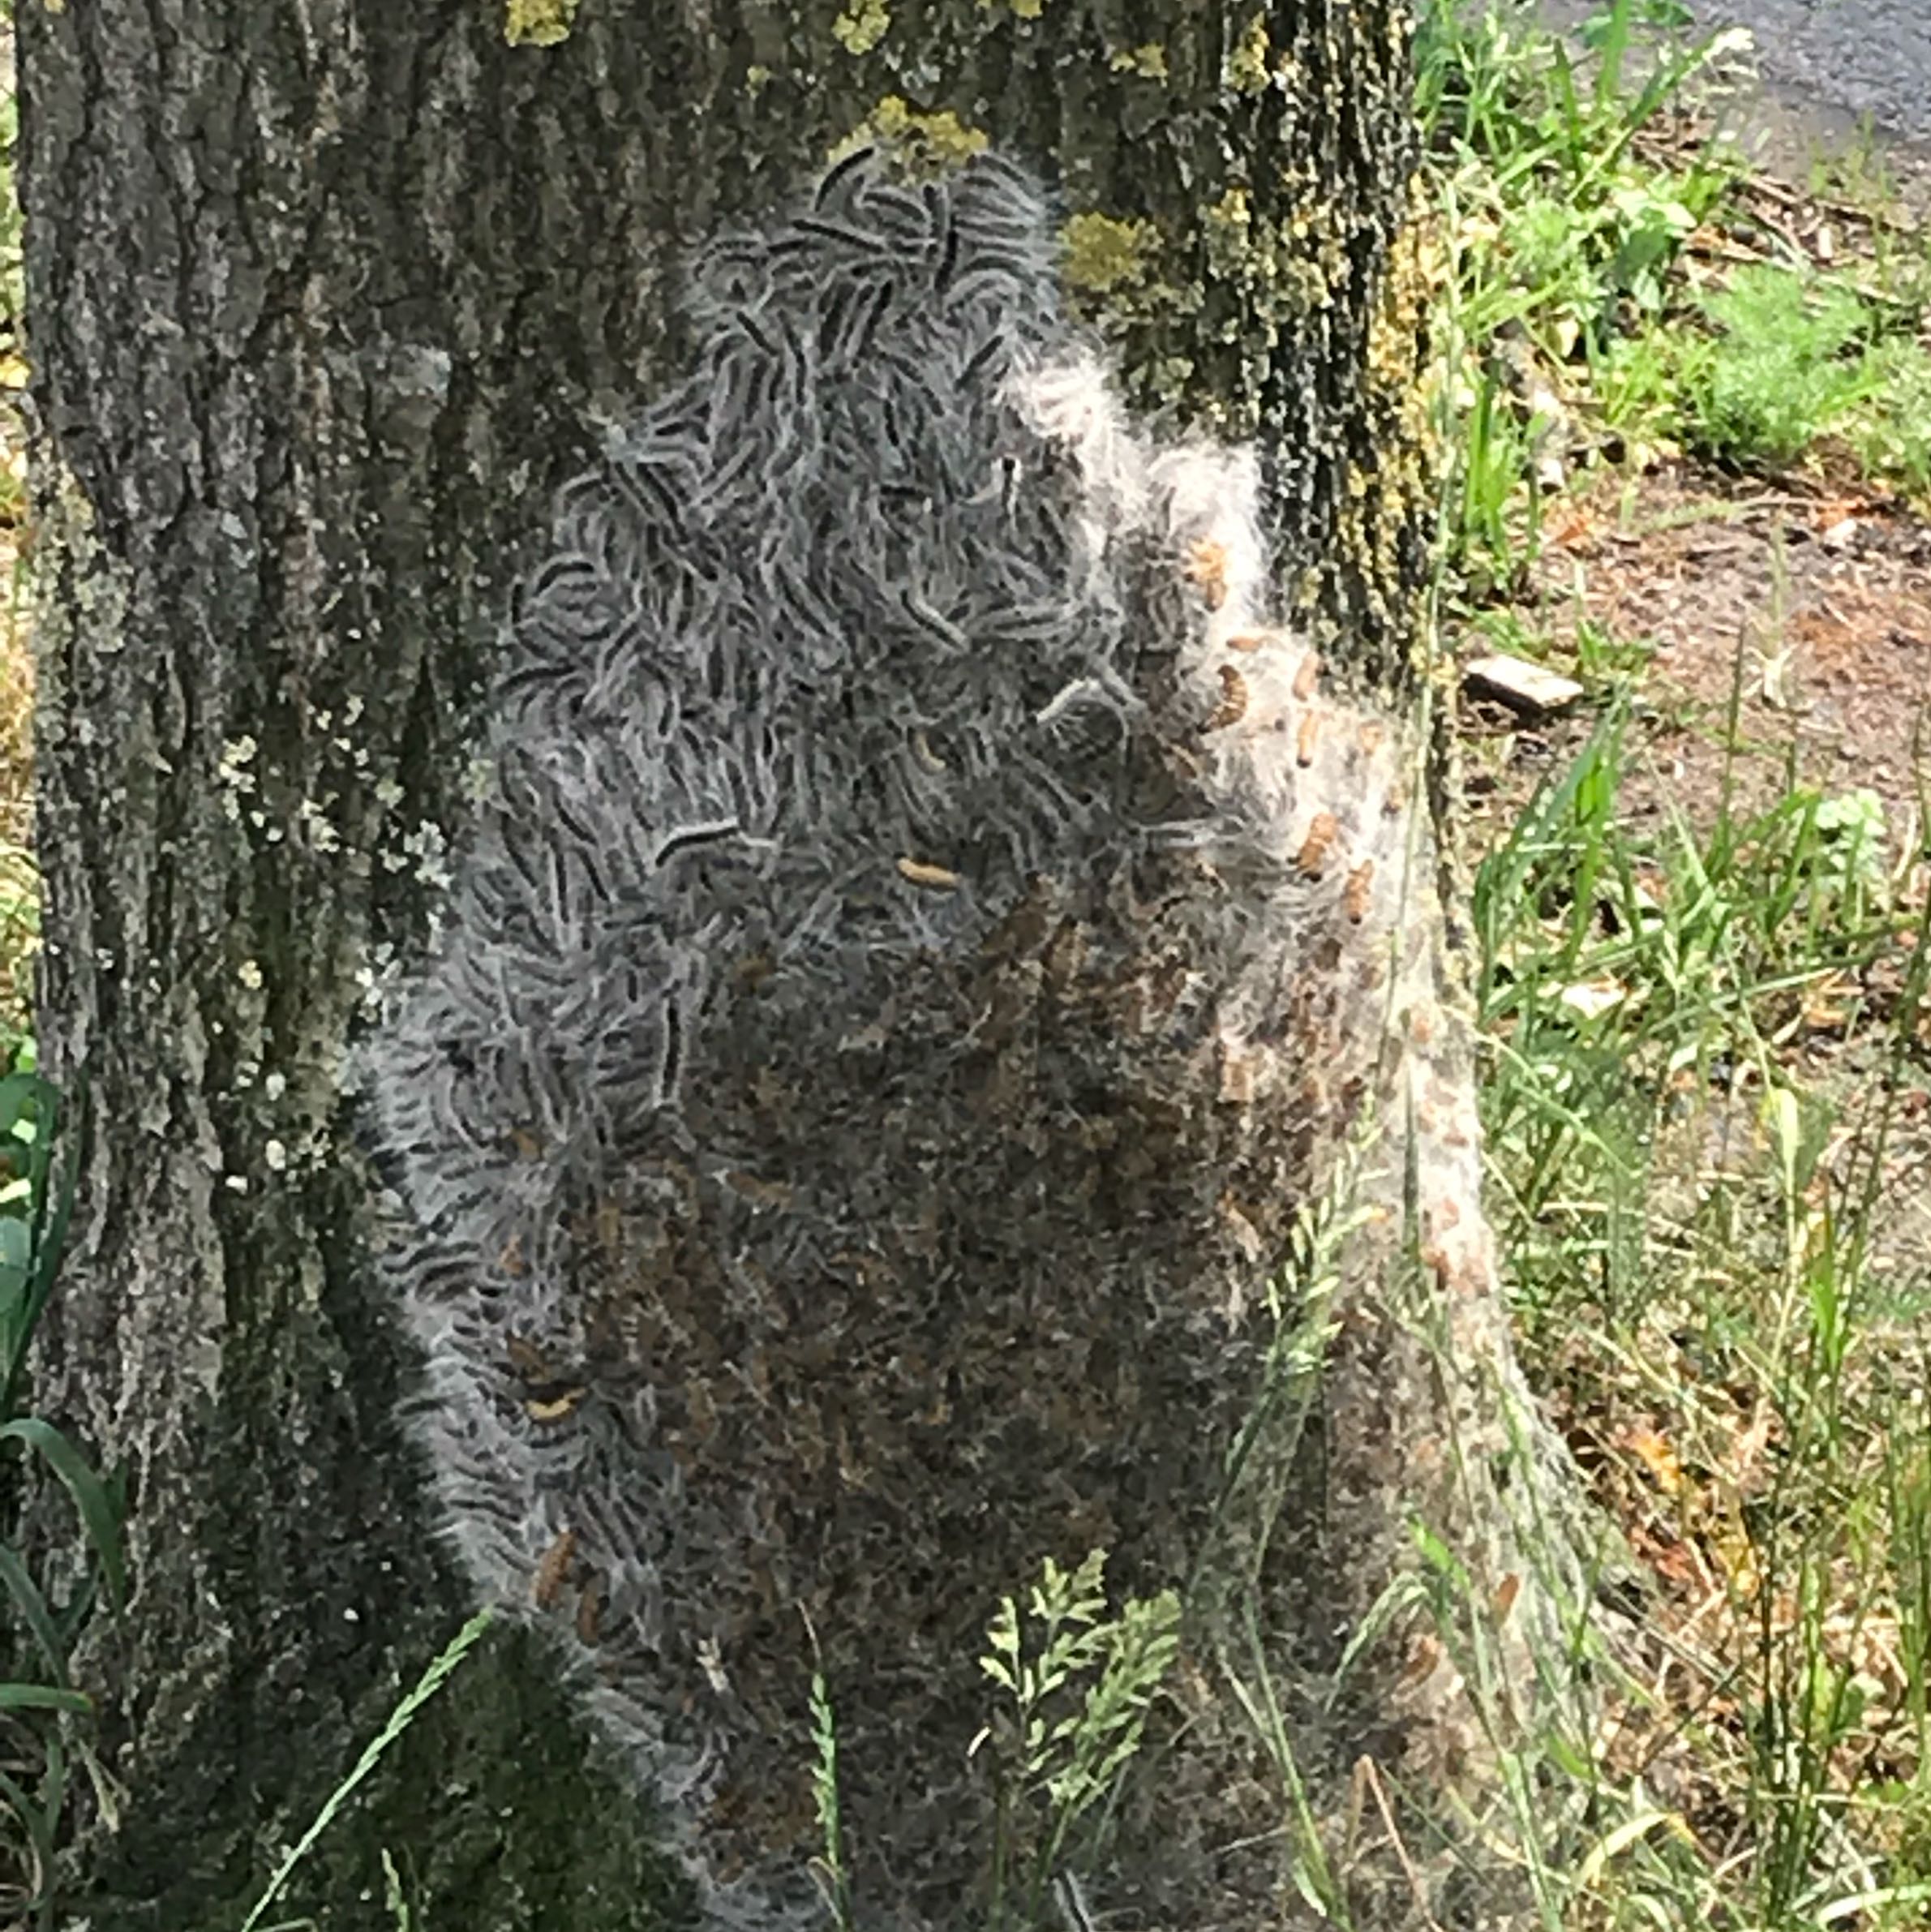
x: 903, y: 971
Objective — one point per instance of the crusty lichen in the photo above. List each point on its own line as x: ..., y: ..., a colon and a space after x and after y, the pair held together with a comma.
x: 1281, y: 272
x: 922, y: 146
x: 1398, y: 401
x: 1104, y: 254
x: 537, y: 23
x: 861, y: 26
x: 1247, y: 69
x: 1149, y: 61
x: 1227, y: 228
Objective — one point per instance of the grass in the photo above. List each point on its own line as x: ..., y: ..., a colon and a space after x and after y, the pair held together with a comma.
x: 1779, y: 362
x: 1557, y: 236
x: 1590, y: 310
x: 1699, y: 1047
x: 1704, y: 1087
x: 46, y: 1716
x: 400, y: 1914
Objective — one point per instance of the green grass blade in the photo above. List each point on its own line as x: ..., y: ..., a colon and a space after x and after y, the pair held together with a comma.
x: 91, y: 1495
x: 33, y: 1820
x: 35, y: 1612
x: 43, y: 1697
x: 49, y: 1223
x: 431, y: 1681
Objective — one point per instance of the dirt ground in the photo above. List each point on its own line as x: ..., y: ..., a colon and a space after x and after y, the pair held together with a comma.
x: 1807, y: 609
x: 1803, y: 600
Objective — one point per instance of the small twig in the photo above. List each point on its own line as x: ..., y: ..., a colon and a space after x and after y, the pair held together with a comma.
x: 1369, y: 1773
x: 1782, y: 192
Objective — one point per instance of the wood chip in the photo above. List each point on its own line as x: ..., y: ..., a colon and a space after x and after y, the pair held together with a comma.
x: 1525, y: 687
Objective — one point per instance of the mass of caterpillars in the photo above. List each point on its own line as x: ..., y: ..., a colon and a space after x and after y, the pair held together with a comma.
x: 834, y: 596
x: 1254, y: 694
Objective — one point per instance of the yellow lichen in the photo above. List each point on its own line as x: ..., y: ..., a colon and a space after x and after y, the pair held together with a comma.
x: 1025, y: 10
x: 1230, y: 226
x: 756, y: 80
x: 1104, y: 253
x: 1149, y: 62
x: 1247, y: 69
x: 1267, y: 263
x: 861, y: 26
x: 537, y: 23
x: 923, y: 145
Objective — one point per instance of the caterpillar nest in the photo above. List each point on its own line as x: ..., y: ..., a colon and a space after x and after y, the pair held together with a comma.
x: 925, y: 924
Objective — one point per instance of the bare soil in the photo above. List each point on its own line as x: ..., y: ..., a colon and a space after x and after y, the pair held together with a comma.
x: 1790, y: 628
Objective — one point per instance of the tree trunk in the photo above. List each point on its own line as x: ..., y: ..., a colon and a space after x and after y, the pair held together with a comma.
x: 325, y: 303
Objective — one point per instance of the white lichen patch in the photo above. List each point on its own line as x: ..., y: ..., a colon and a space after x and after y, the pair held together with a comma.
x: 237, y: 755
x: 428, y: 846
x: 318, y: 830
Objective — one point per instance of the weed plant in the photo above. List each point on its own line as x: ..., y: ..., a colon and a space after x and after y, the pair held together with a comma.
x: 1568, y: 327
x: 1699, y: 1047
x: 46, y: 1717
x: 1778, y: 363
x: 1557, y: 238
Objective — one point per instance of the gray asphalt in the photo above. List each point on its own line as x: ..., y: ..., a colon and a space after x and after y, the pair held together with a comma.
x: 1855, y: 57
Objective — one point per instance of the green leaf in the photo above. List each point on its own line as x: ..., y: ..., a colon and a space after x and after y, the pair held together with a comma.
x: 99, y: 1514
x: 35, y: 1611
x: 35, y: 1823
x: 43, y: 1697
x: 21, y: 1096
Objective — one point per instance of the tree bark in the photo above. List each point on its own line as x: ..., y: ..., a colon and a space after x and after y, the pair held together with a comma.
x: 326, y: 301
